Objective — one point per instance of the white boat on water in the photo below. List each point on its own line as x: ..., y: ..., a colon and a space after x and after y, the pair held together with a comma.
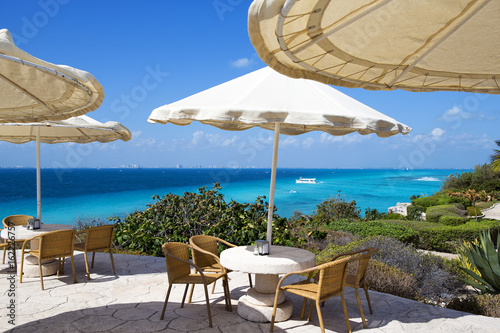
x: 306, y: 180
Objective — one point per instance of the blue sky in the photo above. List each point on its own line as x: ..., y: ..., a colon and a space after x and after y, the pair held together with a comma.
x: 150, y: 53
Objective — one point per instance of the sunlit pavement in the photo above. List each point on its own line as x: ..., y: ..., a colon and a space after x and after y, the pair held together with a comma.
x: 132, y: 302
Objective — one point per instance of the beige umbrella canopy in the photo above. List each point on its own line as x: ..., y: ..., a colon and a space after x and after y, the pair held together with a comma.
x: 273, y: 101
x: 80, y: 129
x: 413, y: 45
x: 33, y: 90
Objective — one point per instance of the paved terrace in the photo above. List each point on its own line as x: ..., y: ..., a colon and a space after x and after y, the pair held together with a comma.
x: 132, y: 302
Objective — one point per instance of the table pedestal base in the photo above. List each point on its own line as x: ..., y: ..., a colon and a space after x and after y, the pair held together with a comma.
x: 263, y: 314
x: 31, y: 270
x: 257, y: 304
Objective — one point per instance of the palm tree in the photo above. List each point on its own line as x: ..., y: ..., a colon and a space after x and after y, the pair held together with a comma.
x: 495, y: 158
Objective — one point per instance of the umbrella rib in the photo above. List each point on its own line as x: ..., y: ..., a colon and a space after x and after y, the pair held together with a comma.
x: 339, y: 25
x: 28, y: 93
x: 54, y: 73
x: 465, y: 18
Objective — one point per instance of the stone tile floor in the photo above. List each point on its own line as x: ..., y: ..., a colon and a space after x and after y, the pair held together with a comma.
x: 132, y: 302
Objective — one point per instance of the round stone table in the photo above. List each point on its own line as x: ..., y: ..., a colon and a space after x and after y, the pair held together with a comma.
x: 20, y: 233
x: 257, y: 304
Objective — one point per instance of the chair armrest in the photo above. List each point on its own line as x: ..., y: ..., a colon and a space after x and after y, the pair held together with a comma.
x: 226, y: 242
x: 198, y: 269
x: 194, y: 247
x: 338, y: 256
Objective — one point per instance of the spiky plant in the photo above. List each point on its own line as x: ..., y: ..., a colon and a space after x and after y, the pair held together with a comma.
x: 483, y: 255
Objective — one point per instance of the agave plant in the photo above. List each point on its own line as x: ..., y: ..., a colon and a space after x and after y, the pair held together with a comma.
x: 483, y: 255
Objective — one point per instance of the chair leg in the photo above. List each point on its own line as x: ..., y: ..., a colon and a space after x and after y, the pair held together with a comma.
x: 208, y: 305
x: 304, y: 303
x: 227, y: 294
x: 73, y: 268
x: 58, y: 266
x: 184, y: 296
x: 191, y: 293
x: 86, y: 264
x: 320, y: 317
x: 93, y: 256
x: 22, y: 263
x: 62, y: 264
x: 112, y: 262
x: 360, y: 307
x: 40, y: 270
x: 166, y: 301
x: 365, y: 287
x: 345, y: 313
x: 309, y: 314
x: 250, y: 280
x: 275, y: 305
x: 213, y: 287
x: 4, y: 251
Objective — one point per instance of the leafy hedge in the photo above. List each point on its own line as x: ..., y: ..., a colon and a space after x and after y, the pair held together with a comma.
x: 441, y: 198
x: 377, y: 228
x: 456, y: 211
x: 443, y: 238
x: 175, y: 218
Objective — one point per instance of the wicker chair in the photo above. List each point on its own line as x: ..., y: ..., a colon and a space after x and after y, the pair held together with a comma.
x: 179, y: 272
x: 329, y: 280
x: 357, y: 278
x: 96, y: 239
x: 54, y: 244
x: 12, y: 221
x: 205, y: 247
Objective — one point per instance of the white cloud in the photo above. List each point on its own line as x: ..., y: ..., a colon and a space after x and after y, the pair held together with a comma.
x: 241, y: 63
x: 349, y: 138
x: 201, y: 138
x: 197, y: 136
x: 288, y: 141
x: 308, y: 142
x: 454, y: 114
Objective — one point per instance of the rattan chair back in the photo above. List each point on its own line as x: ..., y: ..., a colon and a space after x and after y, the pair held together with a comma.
x: 207, y: 243
x: 332, y: 277
x: 56, y: 244
x: 53, y: 244
x: 364, y: 259
x: 99, y: 238
x: 176, y: 268
x: 15, y: 220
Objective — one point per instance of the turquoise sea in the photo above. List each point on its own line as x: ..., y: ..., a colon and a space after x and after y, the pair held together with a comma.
x: 71, y: 194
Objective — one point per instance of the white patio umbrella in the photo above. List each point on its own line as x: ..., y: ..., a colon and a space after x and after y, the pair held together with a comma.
x: 413, y: 45
x: 33, y: 90
x: 269, y: 100
x: 82, y: 129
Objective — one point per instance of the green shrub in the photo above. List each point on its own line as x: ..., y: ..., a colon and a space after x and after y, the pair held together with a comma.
x: 474, y: 212
x: 438, y: 237
x: 334, y: 209
x: 434, y: 213
x: 440, y: 198
x: 484, y: 305
x: 175, y: 218
x: 482, y: 178
x: 414, y: 213
x: 452, y: 220
x: 375, y: 228
x: 386, y: 279
x: 373, y: 214
x: 393, y: 216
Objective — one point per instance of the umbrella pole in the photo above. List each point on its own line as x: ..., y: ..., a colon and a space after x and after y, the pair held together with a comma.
x: 273, y: 183
x: 38, y: 182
